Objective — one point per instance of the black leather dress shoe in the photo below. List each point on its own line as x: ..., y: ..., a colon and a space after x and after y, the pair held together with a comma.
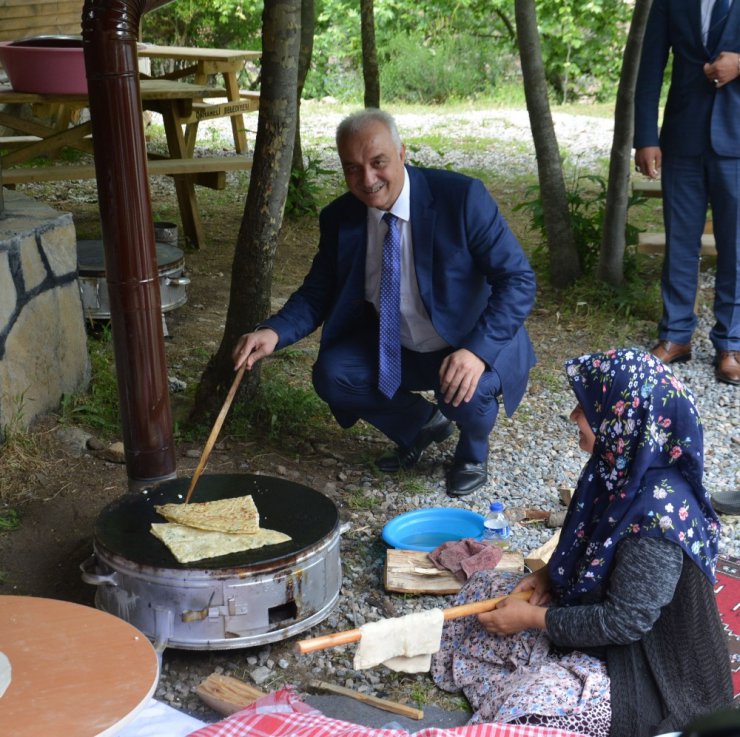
x: 465, y: 478
x: 435, y: 430
x: 726, y: 502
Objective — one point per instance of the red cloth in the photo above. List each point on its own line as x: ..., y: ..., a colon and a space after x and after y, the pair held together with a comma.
x: 283, y: 714
x: 465, y: 557
x: 727, y: 592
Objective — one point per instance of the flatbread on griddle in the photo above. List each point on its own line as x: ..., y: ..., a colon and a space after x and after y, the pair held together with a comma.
x: 188, y: 544
x: 237, y: 515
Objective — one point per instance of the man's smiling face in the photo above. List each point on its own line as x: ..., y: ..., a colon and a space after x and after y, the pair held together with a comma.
x: 373, y: 165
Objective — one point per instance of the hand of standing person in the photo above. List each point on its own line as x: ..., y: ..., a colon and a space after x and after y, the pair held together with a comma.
x: 648, y: 160
x: 724, y: 69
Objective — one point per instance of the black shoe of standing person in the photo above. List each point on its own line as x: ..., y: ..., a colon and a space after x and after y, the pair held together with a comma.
x: 726, y: 502
x: 435, y: 430
x: 465, y: 478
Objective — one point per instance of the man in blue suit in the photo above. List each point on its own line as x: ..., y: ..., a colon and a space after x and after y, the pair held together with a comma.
x: 463, y: 288
x: 698, y: 156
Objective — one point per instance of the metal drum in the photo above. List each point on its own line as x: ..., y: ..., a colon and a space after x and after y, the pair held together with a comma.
x: 238, y: 600
x: 94, y: 289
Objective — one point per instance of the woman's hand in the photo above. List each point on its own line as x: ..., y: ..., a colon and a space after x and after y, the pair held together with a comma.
x: 539, y: 584
x: 512, y: 616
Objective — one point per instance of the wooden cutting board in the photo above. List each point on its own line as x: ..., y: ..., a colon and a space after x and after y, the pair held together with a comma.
x: 411, y: 572
x: 76, y: 671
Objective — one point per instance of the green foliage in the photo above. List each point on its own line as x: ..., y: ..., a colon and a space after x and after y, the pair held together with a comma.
x: 305, y: 189
x: 429, y: 50
x: 586, y: 195
x: 280, y: 406
x: 357, y: 499
x: 9, y: 520
x: 227, y: 24
x: 454, y: 68
x: 582, y: 45
x: 98, y: 408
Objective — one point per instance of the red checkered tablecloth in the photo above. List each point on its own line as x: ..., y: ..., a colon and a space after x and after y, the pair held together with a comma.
x: 283, y: 714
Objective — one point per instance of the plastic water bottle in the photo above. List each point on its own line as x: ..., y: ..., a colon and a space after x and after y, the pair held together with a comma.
x: 495, y: 525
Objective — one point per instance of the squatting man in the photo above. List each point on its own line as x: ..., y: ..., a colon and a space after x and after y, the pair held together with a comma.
x: 419, y: 285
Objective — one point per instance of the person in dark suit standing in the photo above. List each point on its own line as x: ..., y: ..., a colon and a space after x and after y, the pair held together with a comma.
x: 419, y: 285
x: 697, y: 155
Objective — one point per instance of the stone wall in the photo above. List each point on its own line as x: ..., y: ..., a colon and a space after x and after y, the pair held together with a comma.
x: 43, y: 343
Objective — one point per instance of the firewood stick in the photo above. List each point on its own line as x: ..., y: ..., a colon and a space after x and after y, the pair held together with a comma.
x: 393, y: 706
x: 214, y: 433
x: 322, y: 642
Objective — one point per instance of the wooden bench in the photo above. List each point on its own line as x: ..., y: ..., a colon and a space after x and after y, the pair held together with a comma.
x: 647, y: 187
x: 655, y: 242
x: 171, y: 167
x: 174, y: 101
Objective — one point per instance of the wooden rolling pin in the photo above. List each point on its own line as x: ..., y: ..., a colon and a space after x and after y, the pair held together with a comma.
x: 322, y: 642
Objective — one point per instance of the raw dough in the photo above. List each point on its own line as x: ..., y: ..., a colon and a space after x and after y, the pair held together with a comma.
x: 5, y: 673
x: 401, y: 643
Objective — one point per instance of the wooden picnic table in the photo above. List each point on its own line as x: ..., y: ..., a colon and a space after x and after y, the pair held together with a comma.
x: 203, y: 63
x: 173, y: 100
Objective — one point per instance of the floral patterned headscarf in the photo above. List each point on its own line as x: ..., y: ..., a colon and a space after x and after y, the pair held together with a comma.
x: 644, y: 477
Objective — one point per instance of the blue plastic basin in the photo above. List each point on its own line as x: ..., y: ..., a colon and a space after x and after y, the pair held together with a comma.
x: 425, y: 529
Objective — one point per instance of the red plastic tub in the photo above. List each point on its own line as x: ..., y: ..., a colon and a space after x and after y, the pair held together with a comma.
x: 47, y: 65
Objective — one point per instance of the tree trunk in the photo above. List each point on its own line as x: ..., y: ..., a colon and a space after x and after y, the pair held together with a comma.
x: 370, y: 73
x: 611, y: 256
x: 564, y: 265
x: 251, y: 275
x: 308, y: 22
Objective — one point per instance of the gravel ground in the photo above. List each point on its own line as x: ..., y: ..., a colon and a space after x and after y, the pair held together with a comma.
x: 532, y: 454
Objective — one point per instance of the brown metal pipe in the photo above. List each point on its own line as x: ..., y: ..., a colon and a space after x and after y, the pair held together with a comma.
x: 110, y: 30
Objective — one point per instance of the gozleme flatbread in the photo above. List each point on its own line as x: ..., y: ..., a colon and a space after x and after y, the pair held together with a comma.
x: 5, y: 673
x: 237, y: 515
x: 188, y: 544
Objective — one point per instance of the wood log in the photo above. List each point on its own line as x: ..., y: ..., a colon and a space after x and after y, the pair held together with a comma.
x: 411, y: 572
x: 392, y: 706
x: 227, y: 695
x: 539, y: 557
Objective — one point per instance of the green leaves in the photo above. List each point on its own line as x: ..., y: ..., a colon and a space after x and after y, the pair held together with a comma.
x: 582, y: 43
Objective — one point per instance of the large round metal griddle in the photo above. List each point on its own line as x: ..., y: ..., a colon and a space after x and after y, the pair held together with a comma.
x: 91, y: 257
x: 306, y: 515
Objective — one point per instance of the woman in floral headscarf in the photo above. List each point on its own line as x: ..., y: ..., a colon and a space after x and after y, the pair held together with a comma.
x: 621, y: 634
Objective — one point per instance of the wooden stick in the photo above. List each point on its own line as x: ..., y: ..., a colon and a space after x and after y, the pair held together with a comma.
x: 322, y: 642
x: 214, y: 432
x: 392, y: 706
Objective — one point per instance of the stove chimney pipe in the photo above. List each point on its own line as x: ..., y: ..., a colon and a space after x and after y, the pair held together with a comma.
x: 110, y: 30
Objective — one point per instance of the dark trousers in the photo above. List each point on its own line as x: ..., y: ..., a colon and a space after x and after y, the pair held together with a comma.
x: 345, y: 376
x: 690, y: 184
